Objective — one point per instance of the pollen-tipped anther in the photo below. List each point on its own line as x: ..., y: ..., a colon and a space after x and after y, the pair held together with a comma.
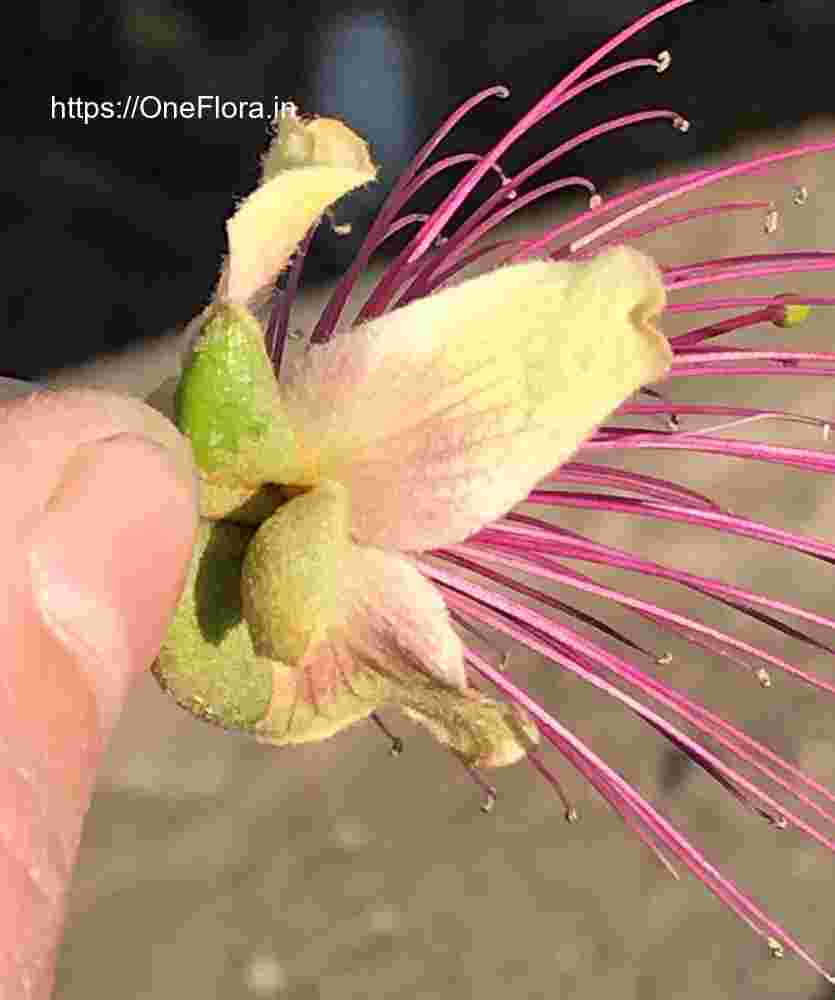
x: 790, y: 313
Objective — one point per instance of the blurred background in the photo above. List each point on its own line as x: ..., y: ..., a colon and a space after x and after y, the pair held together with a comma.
x: 216, y: 868
x: 115, y: 228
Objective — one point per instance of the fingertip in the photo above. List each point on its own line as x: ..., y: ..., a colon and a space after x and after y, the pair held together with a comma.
x: 109, y: 556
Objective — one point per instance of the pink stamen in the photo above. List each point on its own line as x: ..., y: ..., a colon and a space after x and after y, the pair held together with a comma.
x: 681, y: 185
x: 526, y: 534
x: 391, y: 206
x: 743, y: 412
x: 734, y: 525
x: 758, y: 266
x: 553, y: 99
x: 569, y: 811
x: 480, y: 223
x: 597, y: 772
x: 665, y: 222
x: 521, y: 544
x: 650, y: 486
x: 743, y: 302
x: 765, y: 315
x: 420, y: 287
x: 279, y: 321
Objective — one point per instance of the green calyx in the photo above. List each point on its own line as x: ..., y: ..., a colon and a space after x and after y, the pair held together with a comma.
x: 293, y: 574
x: 228, y: 405
x: 207, y: 662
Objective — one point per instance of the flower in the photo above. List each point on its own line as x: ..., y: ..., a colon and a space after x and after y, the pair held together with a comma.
x: 358, y: 511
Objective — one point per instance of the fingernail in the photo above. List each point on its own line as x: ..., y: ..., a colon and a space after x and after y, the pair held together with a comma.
x: 109, y: 557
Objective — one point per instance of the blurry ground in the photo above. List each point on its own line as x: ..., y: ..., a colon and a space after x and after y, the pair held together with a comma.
x: 214, y: 867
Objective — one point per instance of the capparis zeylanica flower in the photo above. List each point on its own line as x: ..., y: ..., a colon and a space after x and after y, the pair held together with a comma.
x: 359, y: 512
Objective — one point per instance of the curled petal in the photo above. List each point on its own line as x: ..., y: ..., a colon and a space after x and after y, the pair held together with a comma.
x: 442, y: 415
x: 273, y: 220
x: 319, y: 142
x: 308, y: 167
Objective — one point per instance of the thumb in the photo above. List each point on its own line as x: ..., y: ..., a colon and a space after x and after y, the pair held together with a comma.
x: 107, y: 560
x: 96, y: 525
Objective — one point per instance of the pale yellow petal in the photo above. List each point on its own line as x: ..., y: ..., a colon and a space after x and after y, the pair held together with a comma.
x: 318, y: 142
x: 441, y: 416
x: 269, y: 224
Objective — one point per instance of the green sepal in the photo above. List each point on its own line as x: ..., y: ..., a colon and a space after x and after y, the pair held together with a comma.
x: 293, y: 573
x: 207, y: 662
x: 228, y: 405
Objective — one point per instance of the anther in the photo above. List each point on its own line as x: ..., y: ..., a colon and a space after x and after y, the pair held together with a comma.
x: 681, y: 124
x: 662, y: 61
x: 396, y: 743
x: 775, y: 948
x: 800, y: 195
x: 490, y: 794
x: 570, y: 813
x: 827, y: 430
x: 665, y: 660
x: 791, y: 313
x: 595, y: 201
x: 771, y: 221
x: 763, y: 677
x: 505, y: 180
x: 340, y: 228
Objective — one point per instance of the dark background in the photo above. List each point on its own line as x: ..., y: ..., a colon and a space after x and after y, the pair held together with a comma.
x: 114, y: 229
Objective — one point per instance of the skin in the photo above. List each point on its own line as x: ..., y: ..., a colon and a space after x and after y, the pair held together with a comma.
x: 86, y: 603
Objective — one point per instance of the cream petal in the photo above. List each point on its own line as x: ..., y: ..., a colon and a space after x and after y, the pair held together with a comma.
x: 316, y: 142
x: 441, y: 416
x: 269, y: 224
